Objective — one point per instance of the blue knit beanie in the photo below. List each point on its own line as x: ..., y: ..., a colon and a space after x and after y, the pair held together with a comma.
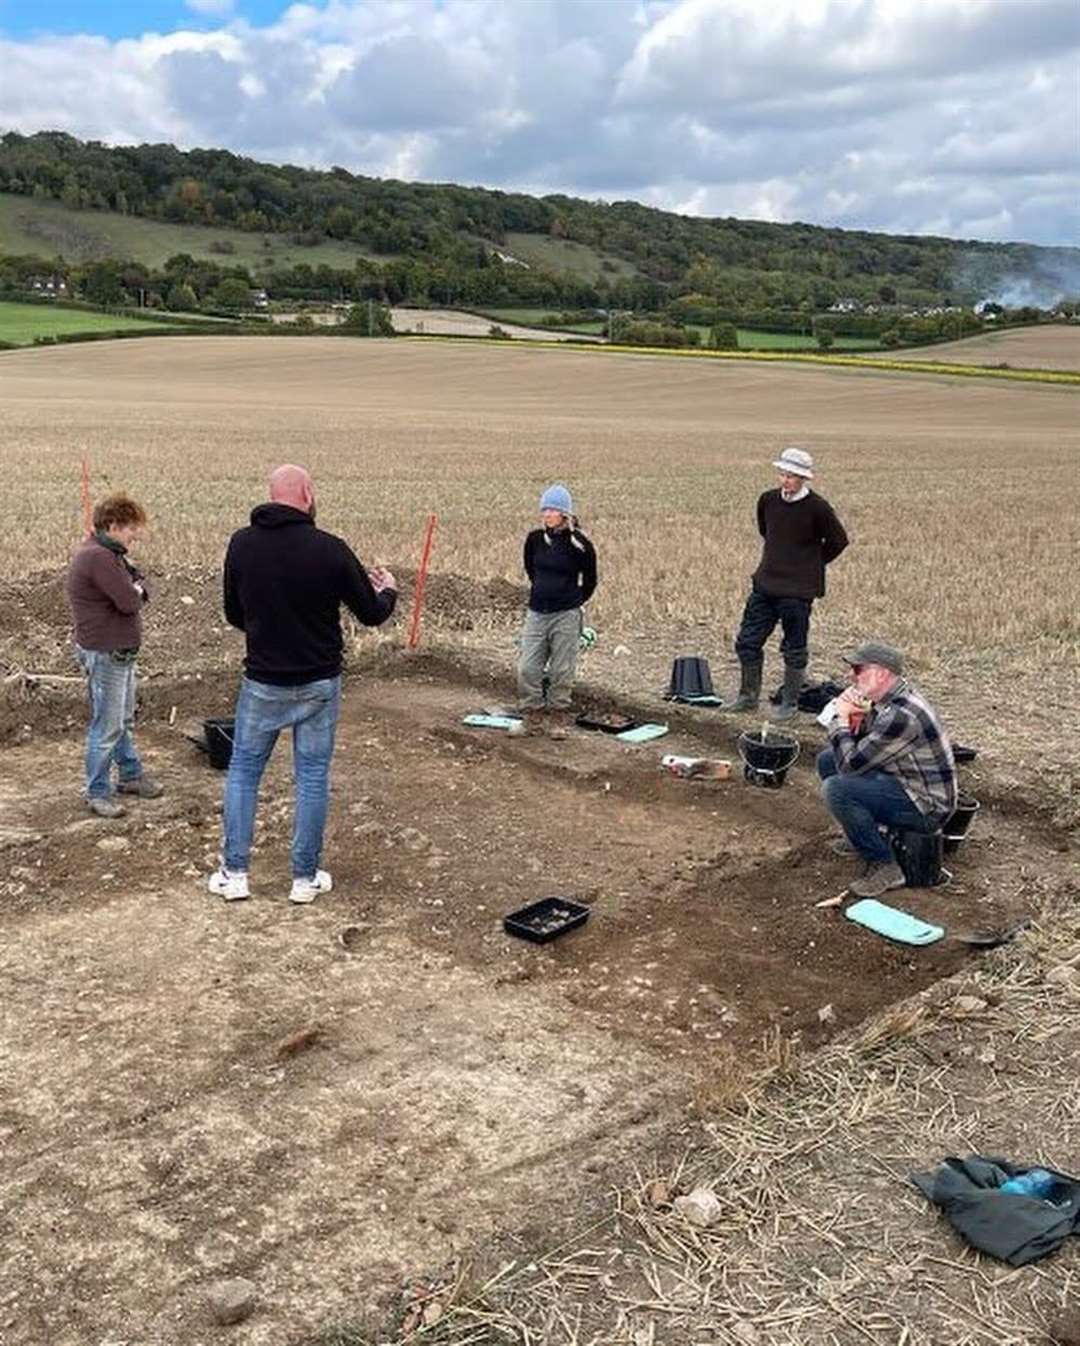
x: 557, y: 497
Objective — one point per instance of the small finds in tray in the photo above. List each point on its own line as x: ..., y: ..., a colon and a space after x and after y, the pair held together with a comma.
x: 607, y: 724
x: 547, y: 919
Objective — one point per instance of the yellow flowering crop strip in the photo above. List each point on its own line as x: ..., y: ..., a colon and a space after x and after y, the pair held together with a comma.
x: 1059, y: 376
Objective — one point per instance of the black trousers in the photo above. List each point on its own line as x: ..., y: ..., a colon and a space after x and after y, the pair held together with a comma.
x: 760, y: 616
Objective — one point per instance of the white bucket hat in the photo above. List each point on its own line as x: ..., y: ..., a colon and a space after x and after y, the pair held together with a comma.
x: 796, y: 461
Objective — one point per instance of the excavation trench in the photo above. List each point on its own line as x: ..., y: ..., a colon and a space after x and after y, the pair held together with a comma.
x: 446, y: 1077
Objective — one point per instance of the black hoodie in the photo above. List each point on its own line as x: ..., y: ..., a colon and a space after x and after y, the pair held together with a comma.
x: 561, y: 575
x: 285, y: 581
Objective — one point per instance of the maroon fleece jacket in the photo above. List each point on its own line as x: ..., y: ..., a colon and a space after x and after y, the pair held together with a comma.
x: 105, y: 605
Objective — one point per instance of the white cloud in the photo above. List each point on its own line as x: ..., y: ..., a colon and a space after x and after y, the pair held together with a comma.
x: 947, y: 115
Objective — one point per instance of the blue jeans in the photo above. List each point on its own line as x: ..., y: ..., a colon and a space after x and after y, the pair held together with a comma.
x: 110, y: 687
x: 262, y: 712
x: 863, y: 804
x: 759, y: 619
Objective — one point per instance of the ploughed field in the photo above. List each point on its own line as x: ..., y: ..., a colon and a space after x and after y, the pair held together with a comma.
x: 1049, y: 346
x: 450, y: 1085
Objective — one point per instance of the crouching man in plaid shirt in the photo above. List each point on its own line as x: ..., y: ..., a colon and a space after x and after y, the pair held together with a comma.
x: 887, y: 766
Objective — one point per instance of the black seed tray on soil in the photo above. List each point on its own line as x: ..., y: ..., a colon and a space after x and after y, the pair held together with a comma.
x: 607, y: 724
x: 547, y: 919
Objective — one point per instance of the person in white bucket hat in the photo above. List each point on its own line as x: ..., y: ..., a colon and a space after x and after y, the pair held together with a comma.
x: 795, y: 463
x: 802, y: 536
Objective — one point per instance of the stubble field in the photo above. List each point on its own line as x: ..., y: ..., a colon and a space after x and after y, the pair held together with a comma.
x: 1049, y: 346
x: 462, y: 1090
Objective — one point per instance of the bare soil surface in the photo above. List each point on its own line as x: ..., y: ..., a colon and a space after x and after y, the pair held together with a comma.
x: 157, y: 1133
x: 384, y: 1088
x: 819, y: 1237
x: 1051, y: 346
x: 443, y: 322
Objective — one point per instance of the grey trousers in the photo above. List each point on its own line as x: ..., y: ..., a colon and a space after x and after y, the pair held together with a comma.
x: 549, y: 645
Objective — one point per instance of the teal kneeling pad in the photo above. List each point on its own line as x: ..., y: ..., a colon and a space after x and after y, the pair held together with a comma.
x: 490, y: 721
x: 643, y: 733
x: 892, y: 923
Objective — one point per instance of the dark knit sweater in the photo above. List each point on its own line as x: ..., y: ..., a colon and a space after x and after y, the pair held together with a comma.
x: 560, y: 575
x: 801, y: 538
x: 285, y: 581
x: 106, y: 608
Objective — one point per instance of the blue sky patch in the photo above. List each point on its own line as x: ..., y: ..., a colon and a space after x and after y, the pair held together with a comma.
x: 127, y: 18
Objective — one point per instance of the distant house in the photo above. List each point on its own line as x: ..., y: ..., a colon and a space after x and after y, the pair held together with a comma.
x: 987, y: 308
x: 50, y: 286
x: 260, y: 299
x: 509, y: 259
x: 845, y: 306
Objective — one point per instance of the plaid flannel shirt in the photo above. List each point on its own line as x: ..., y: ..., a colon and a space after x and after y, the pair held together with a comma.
x: 902, y: 735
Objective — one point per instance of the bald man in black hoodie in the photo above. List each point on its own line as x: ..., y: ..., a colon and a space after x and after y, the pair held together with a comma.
x: 285, y: 582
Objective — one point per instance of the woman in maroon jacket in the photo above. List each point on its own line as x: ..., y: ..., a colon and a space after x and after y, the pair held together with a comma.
x: 107, y: 594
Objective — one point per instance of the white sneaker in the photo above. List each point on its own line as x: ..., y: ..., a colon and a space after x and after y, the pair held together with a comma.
x: 307, y: 890
x: 231, y: 884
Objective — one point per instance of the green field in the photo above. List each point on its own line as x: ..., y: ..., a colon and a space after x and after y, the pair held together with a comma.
x: 49, y: 229
x: 533, y: 317
x: 21, y: 323
x: 794, y: 341
x: 748, y: 339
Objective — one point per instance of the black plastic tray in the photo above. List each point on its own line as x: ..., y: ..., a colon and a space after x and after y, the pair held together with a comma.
x: 607, y: 724
x: 541, y: 921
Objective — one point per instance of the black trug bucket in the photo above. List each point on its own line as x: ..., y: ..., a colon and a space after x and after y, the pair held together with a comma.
x: 766, y: 762
x: 690, y: 676
x: 919, y: 855
x: 959, y: 822
x: 219, y: 742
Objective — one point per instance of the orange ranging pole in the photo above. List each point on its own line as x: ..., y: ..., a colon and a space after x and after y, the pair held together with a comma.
x: 421, y: 576
x: 88, y: 509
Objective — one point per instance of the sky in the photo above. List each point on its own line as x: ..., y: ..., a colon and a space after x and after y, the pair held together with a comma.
x: 953, y: 117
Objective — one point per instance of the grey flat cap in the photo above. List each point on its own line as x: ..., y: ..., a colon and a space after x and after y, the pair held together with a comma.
x: 873, y: 652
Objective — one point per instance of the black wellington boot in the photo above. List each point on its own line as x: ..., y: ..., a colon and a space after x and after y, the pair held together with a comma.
x: 789, y: 699
x: 749, y: 689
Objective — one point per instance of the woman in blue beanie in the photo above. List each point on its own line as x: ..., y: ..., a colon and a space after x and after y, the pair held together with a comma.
x: 561, y: 565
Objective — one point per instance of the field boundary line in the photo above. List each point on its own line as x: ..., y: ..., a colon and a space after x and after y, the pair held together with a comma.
x: 1058, y: 377
x: 1054, y: 376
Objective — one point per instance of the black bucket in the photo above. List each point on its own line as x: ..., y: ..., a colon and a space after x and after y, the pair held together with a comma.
x: 766, y: 761
x: 919, y: 855
x: 957, y: 825
x: 690, y: 676
x: 219, y: 742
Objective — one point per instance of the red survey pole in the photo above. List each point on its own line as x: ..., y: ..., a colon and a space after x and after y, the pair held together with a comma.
x: 421, y: 576
x: 88, y: 511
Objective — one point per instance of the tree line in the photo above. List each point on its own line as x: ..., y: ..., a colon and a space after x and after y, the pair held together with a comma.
x: 441, y: 243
